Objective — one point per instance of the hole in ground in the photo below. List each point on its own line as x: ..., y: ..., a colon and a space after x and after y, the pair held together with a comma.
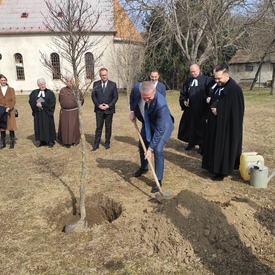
x: 100, y: 209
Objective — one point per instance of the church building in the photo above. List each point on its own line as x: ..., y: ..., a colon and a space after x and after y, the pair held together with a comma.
x: 24, y: 38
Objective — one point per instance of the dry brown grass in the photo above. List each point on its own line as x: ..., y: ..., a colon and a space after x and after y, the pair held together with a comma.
x: 38, y: 186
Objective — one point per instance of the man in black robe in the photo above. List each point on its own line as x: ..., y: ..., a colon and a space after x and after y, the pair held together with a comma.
x: 193, y: 102
x: 42, y: 102
x: 224, y: 130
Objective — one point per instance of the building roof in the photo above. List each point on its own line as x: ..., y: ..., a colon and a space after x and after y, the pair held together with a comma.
x: 12, y: 21
x: 125, y: 29
x: 244, y: 57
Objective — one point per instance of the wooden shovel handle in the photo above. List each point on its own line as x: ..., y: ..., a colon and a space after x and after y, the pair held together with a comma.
x: 149, y: 160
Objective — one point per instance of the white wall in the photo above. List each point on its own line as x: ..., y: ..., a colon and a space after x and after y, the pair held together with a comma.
x: 240, y: 75
x: 31, y: 47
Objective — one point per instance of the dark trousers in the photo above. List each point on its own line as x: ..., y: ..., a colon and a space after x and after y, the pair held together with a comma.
x: 100, y: 119
x: 158, y: 155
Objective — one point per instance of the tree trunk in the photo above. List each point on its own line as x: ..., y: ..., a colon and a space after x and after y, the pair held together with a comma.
x: 258, y: 71
x: 83, y: 162
x: 272, y: 81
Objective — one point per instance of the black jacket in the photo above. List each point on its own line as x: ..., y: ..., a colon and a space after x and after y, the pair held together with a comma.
x: 110, y: 96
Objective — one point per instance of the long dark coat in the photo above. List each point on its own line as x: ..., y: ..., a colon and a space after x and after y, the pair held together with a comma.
x: 223, y: 137
x: 9, y: 101
x: 44, y: 128
x: 192, y: 123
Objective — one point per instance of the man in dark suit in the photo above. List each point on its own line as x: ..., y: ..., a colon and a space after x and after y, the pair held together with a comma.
x: 104, y: 96
x: 160, y: 87
x: 160, y: 123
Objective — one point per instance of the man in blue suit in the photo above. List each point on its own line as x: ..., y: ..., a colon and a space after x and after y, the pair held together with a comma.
x: 161, y: 126
x: 104, y: 96
x: 160, y: 87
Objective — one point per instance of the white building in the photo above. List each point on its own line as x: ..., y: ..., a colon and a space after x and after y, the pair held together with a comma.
x: 244, y: 65
x: 23, y: 38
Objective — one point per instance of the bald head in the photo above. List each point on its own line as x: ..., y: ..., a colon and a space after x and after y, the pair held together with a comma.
x: 195, y: 70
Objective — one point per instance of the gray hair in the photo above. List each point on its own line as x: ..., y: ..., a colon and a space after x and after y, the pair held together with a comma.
x: 68, y: 76
x: 146, y: 87
x: 40, y: 80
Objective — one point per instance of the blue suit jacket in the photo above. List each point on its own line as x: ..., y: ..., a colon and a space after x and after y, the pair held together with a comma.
x: 161, y: 120
x: 161, y: 88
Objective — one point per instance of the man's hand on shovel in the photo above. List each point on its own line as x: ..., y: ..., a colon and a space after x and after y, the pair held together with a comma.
x: 148, y: 155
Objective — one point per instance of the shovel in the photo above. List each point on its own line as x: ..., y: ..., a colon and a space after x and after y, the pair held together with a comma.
x: 164, y: 195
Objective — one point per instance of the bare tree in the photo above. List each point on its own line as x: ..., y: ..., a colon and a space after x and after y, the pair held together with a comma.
x: 201, y: 28
x: 260, y: 42
x: 128, y: 49
x: 71, y: 23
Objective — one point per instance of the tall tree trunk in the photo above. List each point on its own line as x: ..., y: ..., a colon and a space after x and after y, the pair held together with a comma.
x: 257, y: 73
x: 272, y: 81
x: 261, y: 63
x: 83, y: 163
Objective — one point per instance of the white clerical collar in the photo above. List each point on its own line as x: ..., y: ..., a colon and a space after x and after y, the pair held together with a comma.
x: 41, y: 93
x: 214, y: 86
x: 218, y: 91
x: 194, y: 82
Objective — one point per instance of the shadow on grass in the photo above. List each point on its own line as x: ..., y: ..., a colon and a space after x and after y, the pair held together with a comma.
x: 45, y: 165
x: 127, y: 139
x: 124, y: 170
x: 90, y: 138
x: 32, y: 139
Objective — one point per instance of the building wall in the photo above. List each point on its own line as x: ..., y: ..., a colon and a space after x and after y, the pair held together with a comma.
x: 126, y: 62
x: 31, y: 47
x: 240, y: 74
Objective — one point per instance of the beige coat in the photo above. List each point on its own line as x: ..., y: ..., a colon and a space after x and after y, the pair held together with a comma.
x: 9, y: 101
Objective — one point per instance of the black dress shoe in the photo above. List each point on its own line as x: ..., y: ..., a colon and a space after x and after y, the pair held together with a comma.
x: 189, y: 147
x: 155, y: 189
x: 200, y: 149
x: 67, y: 145
x: 139, y: 172
x: 94, y: 148
x: 107, y: 146
x: 218, y: 177
x: 50, y: 144
x: 41, y: 143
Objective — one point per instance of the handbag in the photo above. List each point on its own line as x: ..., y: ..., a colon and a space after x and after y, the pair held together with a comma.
x: 16, y: 113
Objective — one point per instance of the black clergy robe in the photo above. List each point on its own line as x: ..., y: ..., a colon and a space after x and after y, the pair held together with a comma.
x: 224, y: 132
x: 192, y: 123
x: 44, y: 127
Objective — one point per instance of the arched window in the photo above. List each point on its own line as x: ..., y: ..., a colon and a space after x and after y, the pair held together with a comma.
x: 55, y: 66
x: 90, y: 65
x: 19, y: 66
